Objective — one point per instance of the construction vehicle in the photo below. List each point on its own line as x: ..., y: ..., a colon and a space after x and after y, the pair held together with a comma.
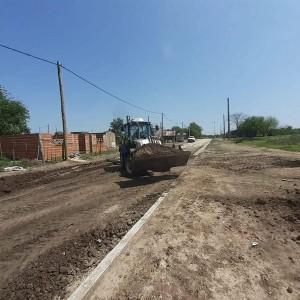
x: 141, y: 150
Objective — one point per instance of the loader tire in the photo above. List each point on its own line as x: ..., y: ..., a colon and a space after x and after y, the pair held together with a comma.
x: 129, y: 166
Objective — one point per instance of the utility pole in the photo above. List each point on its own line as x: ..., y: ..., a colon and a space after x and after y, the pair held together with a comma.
x: 224, y: 126
x: 228, y: 116
x: 48, y: 128
x: 214, y: 129
x: 162, y: 128
x: 63, y: 116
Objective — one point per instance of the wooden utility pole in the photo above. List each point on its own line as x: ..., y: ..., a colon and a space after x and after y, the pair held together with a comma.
x: 162, y: 128
x: 228, y: 116
x: 224, y: 130
x: 63, y: 116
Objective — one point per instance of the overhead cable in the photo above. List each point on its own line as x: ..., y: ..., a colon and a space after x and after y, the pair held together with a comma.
x: 108, y: 93
x: 33, y: 56
x: 169, y: 119
x: 80, y: 77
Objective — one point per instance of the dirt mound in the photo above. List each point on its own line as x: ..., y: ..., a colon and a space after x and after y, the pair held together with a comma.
x: 158, y: 158
x: 155, y: 150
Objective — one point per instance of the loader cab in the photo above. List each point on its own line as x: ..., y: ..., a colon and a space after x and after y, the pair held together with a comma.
x: 138, y: 129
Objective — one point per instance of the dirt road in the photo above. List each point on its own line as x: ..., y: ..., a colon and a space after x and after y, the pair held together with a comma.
x: 56, y: 225
x: 229, y: 229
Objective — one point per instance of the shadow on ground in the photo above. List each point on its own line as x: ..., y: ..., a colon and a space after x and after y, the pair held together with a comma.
x: 145, y: 180
x: 113, y: 169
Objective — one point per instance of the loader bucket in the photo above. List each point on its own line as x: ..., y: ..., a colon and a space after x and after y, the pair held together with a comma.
x: 157, y: 158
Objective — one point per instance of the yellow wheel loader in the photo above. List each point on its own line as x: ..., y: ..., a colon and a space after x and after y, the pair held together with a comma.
x: 141, y: 151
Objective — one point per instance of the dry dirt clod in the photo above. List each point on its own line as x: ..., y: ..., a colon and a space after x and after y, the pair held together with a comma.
x: 63, y: 270
x: 260, y: 201
x: 7, y: 190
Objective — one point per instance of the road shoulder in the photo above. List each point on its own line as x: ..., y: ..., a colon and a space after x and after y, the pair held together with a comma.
x: 228, y: 229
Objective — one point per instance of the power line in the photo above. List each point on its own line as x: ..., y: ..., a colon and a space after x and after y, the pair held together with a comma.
x: 108, y: 93
x: 33, y: 56
x: 169, y: 119
x: 80, y: 77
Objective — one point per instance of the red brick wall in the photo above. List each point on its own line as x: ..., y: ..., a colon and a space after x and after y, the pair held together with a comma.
x: 48, y: 147
x: 20, y: 146
x: 84, y: 142
x: 98, y: 144
x: 91, y: 143
x: 53, y: 148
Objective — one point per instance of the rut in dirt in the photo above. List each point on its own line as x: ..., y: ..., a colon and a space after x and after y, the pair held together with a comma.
x: 60, y: 224
x: 49, y: 275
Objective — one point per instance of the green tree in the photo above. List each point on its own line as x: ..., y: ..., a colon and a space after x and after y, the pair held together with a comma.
x: 116, y: 126
x: 257, y: 126
x: 13, y: 115
x: 195, y: 130
x: 271, y: 123
x: 177, y: 129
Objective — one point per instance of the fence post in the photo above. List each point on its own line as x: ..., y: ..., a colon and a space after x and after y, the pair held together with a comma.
x: 26, y: 152
x: 41, y: 147
x: 13, y: 149
x: 91, y: 143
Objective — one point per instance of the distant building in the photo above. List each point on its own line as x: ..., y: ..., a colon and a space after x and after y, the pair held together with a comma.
x: 169, y: 136
x: 96, y: 142
x: 180, y: 137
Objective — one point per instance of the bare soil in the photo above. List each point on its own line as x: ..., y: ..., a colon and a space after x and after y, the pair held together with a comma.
x: 57, y: 224
x: 228, y: 229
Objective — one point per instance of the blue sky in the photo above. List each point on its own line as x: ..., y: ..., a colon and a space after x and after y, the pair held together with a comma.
x: 183, y: 58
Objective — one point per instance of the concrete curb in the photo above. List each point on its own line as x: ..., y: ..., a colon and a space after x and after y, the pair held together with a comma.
x: 92, y: 278
x: 202, y: 148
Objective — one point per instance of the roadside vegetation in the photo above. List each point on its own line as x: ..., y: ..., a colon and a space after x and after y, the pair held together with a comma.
x: 262, y: 131
x: 283, y: 142
x: 89, y: 156
x: 25, y: 163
